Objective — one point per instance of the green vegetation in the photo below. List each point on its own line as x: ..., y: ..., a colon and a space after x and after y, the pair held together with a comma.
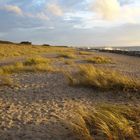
x: 99, y: 60
x: 107, y: 121
x: 88, y: 75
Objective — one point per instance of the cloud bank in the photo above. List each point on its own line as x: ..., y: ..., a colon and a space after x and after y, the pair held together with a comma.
x: 113, y: 10
x: 71, y: 22
x: 108, y: 9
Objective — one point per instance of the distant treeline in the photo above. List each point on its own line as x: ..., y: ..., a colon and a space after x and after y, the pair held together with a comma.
x: 26, y: 43
x: 6, y: 42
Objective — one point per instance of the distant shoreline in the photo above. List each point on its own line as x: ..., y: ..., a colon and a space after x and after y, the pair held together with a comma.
x: 130, y: 53
x: 123, y: 52
x: 109, y: 50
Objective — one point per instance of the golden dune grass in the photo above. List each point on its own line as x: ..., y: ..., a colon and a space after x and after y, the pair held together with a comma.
x: 68, y: 54
x: 85, y: 53
x: 30, y: 65
x: 99, y: 60
x: 107, y: 121
x: 16, y: 50
x: 102, y: 79
x: 36, y: 61
x: 5, y: 81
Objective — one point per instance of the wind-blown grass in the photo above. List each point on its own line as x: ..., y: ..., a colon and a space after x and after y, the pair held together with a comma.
x: 67, y: 55
x: 69, y: 62
x: 90, y: 76
x: 107, y: 121
x: 36, y: 61
x: 98, y: 60
x: 38, y: 64
x: 85, y: 53
x: 16, y: 50
x: 5, y: 81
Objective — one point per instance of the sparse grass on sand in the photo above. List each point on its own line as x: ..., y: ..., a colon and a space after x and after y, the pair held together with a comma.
x: 100, y: 122
x: 67, y: 55
x: 69, y: 62
x: 37, y: 64
x: 102, y: 79
x: 98, y: 60
x: 85, y: 53
x: 5, y: 81
x: 107, y: 121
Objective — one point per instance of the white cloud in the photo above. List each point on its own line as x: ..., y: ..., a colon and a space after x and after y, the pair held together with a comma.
x: 12, y: 9
x: 44, y: 14
x: 108, y: 9
x: 112, y: 10
x: 55, y: 9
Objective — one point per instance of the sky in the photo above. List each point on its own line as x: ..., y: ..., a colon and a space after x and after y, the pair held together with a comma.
x: 71, y: 22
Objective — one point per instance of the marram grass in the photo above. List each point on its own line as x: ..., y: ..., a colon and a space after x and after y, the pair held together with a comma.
x: 102, y: 79
x: 70, y: 55
x: 5, y: 81
x: 99, y: 60
x: 108, y: 122
x: 37, y: 64
x: 36, y: 61
x: 16, y: 50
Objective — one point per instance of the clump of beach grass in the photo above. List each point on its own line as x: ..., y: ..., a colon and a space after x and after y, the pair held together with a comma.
x: 36, y: 61
x: 103, y: 79
x: 98, y: 60
x: 67, y: 55
x: 5, y: 81
x: 69, y: 62
x: 107, y: 121
x: 37, y: 64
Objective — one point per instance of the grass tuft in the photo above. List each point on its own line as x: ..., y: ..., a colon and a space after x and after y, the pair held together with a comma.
x: 5, y: 81
x: 69, y: 62
x: 88, y: 75
x: 36, y: 61
x: 37, y: 64
x: 107, y: 121
x: 99, y: 60
x: 67, y: 55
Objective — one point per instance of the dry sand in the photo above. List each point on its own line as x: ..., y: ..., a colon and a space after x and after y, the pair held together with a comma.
x: 39, y: 108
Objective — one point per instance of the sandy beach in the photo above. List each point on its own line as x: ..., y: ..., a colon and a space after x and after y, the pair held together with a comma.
x: 41, y: 106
